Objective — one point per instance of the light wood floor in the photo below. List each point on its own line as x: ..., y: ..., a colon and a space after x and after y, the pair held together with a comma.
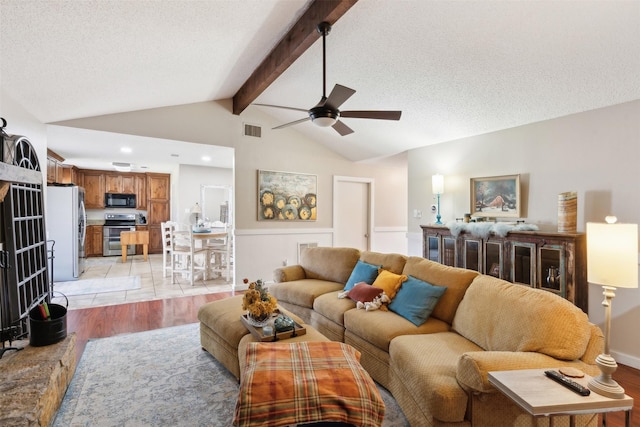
x: 154, y: 286
x: 100, y: 322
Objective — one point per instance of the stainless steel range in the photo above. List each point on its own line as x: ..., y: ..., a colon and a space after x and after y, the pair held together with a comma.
x: 114, y: 224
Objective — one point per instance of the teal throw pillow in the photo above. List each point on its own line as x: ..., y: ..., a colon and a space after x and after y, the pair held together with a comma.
x: 416, y: 299
x: 362, y: 272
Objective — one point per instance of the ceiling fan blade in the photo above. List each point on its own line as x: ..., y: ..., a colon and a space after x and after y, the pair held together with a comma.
x: 283, y: 107
x: 292, y: 123
x: 380, y: 115
x: 341, y: 128
x: 338, y: 96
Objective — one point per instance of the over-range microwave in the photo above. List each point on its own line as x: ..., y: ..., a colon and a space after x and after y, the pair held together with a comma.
x: 116, y: 200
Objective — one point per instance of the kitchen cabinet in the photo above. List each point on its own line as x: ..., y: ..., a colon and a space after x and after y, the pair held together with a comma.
x: 120, y: 183
x: 94, y: 189
x: 555, y: 262
x: 54, y: 167
x: 93, y: 242
x: 158, y: 208
x: 141, y: 191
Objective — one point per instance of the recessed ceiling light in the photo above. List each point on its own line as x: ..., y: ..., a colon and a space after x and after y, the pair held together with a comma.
x: 125, y: 149
x: 206, y: 158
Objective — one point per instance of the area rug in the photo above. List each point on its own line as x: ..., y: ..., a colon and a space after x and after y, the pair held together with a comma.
x: 97, y: 286
x: 159, y: 378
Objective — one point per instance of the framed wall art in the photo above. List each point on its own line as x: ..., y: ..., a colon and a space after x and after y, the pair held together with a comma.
x: 287, y: 196
x: 496, y: 196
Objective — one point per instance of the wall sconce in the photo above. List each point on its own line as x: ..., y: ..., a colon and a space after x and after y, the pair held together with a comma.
x: 437, y: 187
x: 612, y: 262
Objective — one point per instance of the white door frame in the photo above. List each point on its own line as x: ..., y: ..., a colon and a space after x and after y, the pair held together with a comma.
x: 336, y: 180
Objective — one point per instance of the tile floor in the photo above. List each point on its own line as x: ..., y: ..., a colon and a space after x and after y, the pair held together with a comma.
x: 153, y: 284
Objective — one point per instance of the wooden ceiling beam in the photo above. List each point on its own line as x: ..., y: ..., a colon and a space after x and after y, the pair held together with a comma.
x: 301, y: 36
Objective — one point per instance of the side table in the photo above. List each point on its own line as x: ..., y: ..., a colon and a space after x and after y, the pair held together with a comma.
x: 539, y: 395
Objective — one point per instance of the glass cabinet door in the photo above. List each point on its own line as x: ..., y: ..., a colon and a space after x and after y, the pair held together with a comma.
x: 449, y: 251
x: 433, y: 248
x: 493, y: 259
x: 551, y: 269
x: 523, y: 262
x: 472, y: 254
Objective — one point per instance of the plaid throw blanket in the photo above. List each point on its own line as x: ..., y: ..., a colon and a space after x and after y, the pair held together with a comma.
x: 304, y: 382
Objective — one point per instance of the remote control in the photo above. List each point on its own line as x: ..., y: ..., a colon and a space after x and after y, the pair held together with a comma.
x: 570, y: 384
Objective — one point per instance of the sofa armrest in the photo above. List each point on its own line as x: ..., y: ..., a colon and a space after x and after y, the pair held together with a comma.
x: 289, y: 273
x: 473, y: 367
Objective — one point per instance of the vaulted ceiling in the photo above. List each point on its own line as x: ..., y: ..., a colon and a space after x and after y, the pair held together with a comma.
x: 455, y: 68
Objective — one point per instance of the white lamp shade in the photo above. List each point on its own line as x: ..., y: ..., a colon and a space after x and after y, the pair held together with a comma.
x: 195, y: 209
x: 612, y: 254
x: 437, y: 184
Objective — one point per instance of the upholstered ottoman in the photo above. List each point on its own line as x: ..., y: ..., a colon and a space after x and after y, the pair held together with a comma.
x: 295, y: 383
x: 222, y: 332
x: 311, y: 335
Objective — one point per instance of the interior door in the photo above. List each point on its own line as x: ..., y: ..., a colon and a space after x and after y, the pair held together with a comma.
x: 352, y: 207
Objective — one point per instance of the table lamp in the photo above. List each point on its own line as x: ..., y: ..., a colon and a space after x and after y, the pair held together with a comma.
x: 196, y: 210
x: 437, y: 186
x: 612, y: 262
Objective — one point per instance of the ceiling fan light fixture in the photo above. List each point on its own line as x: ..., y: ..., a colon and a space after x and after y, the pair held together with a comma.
x: 324, y: 117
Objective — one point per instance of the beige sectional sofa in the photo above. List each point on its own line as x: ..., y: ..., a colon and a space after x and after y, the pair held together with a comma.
x: 437, y: 371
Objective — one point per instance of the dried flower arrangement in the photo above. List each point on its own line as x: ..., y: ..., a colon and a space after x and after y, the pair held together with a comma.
x: 257, y: 301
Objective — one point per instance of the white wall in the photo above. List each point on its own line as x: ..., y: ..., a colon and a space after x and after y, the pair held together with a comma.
x: 596, y: 154
x: 261, y: 246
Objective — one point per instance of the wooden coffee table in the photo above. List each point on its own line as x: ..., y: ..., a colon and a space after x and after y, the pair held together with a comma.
x: 539, y: 395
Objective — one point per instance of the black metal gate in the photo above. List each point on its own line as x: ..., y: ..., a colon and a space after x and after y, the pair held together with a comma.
x: 24, y: 281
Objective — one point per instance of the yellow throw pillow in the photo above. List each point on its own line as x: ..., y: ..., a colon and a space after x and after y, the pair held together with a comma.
x: 389, y: 282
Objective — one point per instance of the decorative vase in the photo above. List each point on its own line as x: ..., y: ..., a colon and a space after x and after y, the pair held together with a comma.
x: 258, y: 322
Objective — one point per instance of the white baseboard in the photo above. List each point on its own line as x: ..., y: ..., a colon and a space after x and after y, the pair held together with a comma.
x: 626, y: 359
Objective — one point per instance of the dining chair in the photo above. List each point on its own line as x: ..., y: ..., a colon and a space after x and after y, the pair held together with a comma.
x: 167, y: 228
x: 185, y: 254
x: 221, y: 254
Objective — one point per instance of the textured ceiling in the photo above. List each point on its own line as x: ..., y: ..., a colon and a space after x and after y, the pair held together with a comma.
x: 455, y: 68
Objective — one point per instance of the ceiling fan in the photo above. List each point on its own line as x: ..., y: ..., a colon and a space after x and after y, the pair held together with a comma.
x: 326, y: 112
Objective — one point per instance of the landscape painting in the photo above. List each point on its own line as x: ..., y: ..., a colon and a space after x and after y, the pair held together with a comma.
x: 496, y: 197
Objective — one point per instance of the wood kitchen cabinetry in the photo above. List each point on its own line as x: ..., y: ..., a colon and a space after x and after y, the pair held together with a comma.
x: 141, y: 191
x: 93, y: 242
x: 555, y: 262
x: 120, y: 183
x: 158, y: 207
x: 94, y: 188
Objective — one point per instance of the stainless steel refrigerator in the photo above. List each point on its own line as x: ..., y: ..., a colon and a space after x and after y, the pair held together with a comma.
x: 66, y: 222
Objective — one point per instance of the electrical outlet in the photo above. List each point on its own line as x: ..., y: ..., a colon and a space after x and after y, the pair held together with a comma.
x: 284, y: 262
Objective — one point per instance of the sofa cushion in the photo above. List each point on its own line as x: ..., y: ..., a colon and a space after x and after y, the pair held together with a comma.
x: 364, y: 292
x: 456, y: 280
x: 392, y: 262
x: 302, y: 292
x: 379, y: 327
x: 502, y: 316
x: 362, y: 272
x: 425, y: 366
x: 416, y: 299
x: 326, y: 263
x: 389, y: 282
x: 332, y: 307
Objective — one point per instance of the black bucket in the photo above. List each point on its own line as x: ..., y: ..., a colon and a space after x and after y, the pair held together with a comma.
x: 47, y: 331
